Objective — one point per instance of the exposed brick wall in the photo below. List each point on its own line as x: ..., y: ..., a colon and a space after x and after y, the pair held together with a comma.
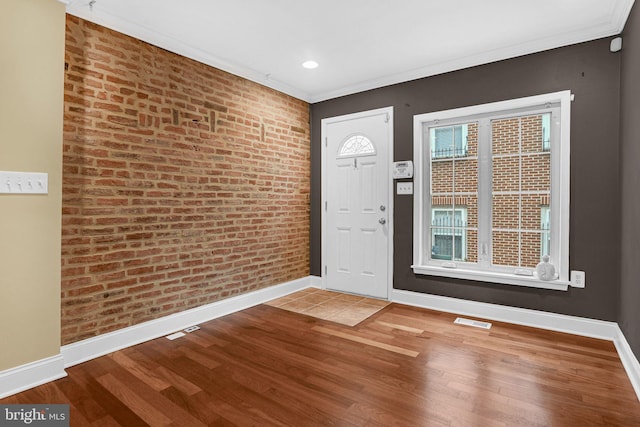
x: 182, y: 184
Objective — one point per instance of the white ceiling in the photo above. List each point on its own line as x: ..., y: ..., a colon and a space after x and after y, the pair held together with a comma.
x: 360, y: 44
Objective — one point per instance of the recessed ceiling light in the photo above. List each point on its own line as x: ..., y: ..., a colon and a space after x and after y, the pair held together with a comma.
x: 310, y: 65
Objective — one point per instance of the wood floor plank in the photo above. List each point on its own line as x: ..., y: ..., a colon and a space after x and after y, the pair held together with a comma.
x: 84, y: 405
x: 200, y: 356
x: 199, y: 405
x: 186, y: 387
x: 132, y: 400
x: 401, y: 327
x: 106, y: 421
x: 291, y: 377
x: 372, y: 343
x: 404, y: 366
x: 143, y: 374
x: 153, y: 401
x: 112, y: 406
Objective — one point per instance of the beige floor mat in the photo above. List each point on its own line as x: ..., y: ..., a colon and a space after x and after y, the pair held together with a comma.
x: 336, y: 307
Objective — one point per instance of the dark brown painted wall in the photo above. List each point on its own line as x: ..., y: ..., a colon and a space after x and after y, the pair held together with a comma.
x: 592, y: 73
x: 630, y: 183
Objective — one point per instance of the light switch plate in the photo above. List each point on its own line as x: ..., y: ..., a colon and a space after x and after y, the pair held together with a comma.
x: 24, y: 182
x: 404, y: 188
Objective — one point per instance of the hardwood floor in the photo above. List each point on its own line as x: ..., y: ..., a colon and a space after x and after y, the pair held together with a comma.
x: 403, y: 366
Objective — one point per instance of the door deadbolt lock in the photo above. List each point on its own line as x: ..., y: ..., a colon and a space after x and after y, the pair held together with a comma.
x: 383, y: 208
x: 382, y: 221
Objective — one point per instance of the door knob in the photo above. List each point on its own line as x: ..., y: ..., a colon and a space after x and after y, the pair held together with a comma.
x: 382, y: 221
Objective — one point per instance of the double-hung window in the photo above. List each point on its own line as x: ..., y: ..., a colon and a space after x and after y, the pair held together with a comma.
x: 492, y: 191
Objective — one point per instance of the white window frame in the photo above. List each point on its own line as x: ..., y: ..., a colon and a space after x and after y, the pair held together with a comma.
x: 545, y: 138
x: 559, y: 199
x: 545, y: 214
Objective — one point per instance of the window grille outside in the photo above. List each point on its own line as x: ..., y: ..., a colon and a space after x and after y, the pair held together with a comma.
x: 448, y: 230
x: 449, y: 141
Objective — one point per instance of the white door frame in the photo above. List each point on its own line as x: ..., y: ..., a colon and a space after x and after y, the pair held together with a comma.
x: 390, y: 189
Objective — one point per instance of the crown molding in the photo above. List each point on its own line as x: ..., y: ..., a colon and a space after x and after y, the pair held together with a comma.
x: 122, y: 25
x: 620, y: 14
x: 607, y: 29
x: 610, y: 25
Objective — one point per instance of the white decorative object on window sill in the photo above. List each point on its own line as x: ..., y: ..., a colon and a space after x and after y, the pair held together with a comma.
x: 545, y: 270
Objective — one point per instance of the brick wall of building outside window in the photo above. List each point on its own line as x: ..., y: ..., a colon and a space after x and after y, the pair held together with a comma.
x: 528, y: 172
x: 182, y: 184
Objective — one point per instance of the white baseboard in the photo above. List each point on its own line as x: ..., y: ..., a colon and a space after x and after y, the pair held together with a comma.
x: 31, y: 375
x: 502, y: 313
x: 629, y: 360
x: 609, y: 331
x: 91, y: 348
x: 315, y: 282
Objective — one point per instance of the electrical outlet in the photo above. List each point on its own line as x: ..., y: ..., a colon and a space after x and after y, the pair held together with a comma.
x: 191, y: 328
x: 577, y: 279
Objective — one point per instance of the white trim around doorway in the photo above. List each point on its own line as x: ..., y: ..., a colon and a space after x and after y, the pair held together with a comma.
x: 390, y: 192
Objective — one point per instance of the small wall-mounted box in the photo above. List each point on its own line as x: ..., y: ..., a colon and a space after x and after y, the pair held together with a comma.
x: 24, y: 182
x: 402, y: 170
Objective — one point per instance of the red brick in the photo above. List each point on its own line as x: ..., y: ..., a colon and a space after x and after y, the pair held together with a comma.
x: 168, y: 177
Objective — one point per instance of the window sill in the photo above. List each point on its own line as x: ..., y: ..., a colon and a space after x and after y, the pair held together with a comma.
x: 492, y: 277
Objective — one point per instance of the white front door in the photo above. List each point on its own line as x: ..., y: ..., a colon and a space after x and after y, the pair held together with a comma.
x: 357, y: 211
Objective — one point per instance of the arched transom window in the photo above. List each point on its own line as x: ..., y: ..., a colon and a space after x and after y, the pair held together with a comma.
x: 356, y: 145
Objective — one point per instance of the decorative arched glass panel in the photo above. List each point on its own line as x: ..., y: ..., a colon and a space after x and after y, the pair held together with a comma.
x: 356, y: 145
